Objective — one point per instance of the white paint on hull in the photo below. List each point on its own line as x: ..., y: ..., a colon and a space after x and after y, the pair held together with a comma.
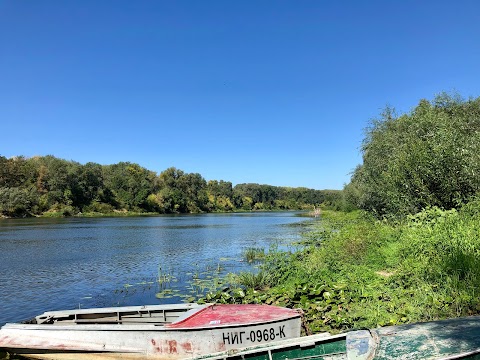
x: 141, y: 340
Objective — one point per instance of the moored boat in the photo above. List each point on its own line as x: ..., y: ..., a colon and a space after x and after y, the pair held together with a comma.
x: 159, y: 331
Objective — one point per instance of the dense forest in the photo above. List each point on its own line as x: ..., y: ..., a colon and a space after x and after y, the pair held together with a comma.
x: 49, y: 186
x: 425, y: 158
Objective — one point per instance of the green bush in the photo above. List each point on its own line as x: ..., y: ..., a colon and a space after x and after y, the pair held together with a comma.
x: 98, y: 207
x: 427, y: 157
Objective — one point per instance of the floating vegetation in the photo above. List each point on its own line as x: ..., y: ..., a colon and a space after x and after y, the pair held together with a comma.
x: 145, y: 283
x: 167, y: 293
x: 226, y: 259
x: 190, y: 284
x: 204, y: 279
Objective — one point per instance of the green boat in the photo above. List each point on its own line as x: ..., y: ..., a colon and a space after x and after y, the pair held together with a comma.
x: 441, y: 340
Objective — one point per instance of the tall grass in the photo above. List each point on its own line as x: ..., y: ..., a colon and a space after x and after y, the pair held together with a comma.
x: 257, y: 281
x: 253, y: 254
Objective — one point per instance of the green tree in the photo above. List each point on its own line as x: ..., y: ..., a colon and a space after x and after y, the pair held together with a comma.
x: 428, y: 157
x: 220, y: 195
x: 16, y: 202
x: 182, y: 192
x: 89, y: 185
x: 130, y: 184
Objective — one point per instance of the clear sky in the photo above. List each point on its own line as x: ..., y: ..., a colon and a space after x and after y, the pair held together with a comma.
x: 269, y: 92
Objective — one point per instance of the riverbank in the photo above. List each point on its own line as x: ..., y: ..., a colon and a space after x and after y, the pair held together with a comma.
x: 357, y: 272
x: 127, y: 213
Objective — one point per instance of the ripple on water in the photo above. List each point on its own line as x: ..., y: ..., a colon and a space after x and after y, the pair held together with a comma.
x: 53, y: 264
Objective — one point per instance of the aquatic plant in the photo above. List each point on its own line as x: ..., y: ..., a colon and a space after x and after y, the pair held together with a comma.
x: 253, y: 254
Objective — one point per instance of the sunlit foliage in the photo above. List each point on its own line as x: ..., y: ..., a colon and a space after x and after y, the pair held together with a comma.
x: 49, y: 186
x: 428, y: 157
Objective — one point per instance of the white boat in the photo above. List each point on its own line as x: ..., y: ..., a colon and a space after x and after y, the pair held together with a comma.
x: 179, y: 331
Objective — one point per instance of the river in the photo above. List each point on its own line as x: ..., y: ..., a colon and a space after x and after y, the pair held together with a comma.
x: 55, y: 264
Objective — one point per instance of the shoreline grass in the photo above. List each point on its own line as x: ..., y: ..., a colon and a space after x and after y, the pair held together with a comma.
x: 253, y: 254
x: 358, y: 272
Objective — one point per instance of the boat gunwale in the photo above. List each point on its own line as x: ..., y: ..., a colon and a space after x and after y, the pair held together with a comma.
x: 113, y: 309
x: 136, y: 327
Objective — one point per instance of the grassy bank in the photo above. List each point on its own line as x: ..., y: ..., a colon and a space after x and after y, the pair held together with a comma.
x: 357, y: 272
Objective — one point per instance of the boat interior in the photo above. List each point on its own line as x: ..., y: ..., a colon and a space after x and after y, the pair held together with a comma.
x: 152, y: 314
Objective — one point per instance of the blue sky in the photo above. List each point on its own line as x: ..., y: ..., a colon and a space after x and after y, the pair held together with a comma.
x: 270, y: 92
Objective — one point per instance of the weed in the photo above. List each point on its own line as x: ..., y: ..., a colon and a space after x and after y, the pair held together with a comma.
x: 253, y: 254
x: 258, y: 281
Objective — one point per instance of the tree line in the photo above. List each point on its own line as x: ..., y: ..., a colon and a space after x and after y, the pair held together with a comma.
x: 429, y: 157
x: 46, y: 185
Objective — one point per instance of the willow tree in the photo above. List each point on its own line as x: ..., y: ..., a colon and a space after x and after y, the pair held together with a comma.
x: 428, y: 157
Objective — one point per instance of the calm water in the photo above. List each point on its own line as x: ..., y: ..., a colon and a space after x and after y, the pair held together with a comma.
x: 55, y: 264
